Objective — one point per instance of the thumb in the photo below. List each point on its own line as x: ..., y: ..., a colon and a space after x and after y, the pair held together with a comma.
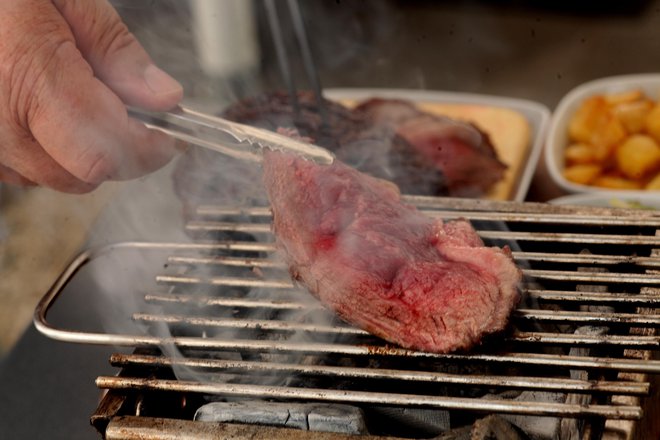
x: 116, y: 57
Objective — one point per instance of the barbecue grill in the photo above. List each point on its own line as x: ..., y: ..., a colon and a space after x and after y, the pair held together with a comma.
x: 218, y: 319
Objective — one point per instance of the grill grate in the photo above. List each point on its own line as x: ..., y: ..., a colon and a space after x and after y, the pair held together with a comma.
x: 230, y: 308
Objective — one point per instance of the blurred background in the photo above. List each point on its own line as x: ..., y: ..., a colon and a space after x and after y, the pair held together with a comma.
x: 222, y: 50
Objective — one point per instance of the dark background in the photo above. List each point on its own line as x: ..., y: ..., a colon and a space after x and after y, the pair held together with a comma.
x: 533, y: 50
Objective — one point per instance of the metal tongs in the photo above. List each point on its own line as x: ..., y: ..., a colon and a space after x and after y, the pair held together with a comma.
x: 227, y: 137
x: 243, y: 141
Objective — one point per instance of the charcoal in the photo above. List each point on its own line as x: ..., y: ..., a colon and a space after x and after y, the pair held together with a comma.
x: 463, y: 433
x: 570, y: 428
x: 341, y: 419
x: 491, y: 427
x: 401, y: 420
x: 537, y: 427
x: 495, y: 428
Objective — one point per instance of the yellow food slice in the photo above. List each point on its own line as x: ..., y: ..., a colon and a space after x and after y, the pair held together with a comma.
x: 637, y: 156
x: 615, y: 182
x: 633, y: 115
x: 652, y: 122
x: 624, y: 97
x: 580, y: 153
x: 583, y: 174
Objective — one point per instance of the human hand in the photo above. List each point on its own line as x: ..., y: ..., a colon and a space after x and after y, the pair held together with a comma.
x: 67, y: 70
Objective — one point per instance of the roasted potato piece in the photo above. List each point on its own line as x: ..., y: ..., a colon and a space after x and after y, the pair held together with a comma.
x: 633, y: 114
x: 583, y: 174
x: 652, y: 122
x: 611, y: 134
x: 653, y: 184
x: 580, y: 154
x: 624, y: 97
x: 616, y: 182
x: 594, y: 123
x: 587, y: 119
x: 637, y: 156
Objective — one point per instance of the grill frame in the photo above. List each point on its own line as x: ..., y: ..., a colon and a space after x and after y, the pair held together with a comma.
x: 631, y: 367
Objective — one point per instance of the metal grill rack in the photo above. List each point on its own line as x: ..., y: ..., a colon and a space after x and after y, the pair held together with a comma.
x: 587, y: 326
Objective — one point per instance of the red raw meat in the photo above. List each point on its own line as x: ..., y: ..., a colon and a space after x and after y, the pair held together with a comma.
x: 382, y: 265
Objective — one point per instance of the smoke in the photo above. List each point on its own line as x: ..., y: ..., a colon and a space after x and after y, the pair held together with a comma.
x: 157, y: 208
x: 150, y: 210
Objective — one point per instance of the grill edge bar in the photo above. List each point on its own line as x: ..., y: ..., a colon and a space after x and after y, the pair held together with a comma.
x: 313, y: 394
x: 524, y: 382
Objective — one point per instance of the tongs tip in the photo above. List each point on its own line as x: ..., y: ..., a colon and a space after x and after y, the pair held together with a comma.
x: 233, y: 139
x: 312, y: 153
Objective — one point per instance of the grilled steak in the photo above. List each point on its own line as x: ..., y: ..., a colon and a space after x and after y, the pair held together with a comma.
x: 203, y: 176
x: 356, y: 139
x: 384, y: 266
x: 386, y: 138
x: 463, y: 153
x: 274, y: 110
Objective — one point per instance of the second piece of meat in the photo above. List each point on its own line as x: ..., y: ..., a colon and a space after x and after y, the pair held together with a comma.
x: 382, y: 265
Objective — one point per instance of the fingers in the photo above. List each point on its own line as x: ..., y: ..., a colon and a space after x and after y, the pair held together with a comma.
x: 10, y: 176
x: 116, y: 56
x: 37, y: 167
x: 84, y: 126
x: 60, y: 126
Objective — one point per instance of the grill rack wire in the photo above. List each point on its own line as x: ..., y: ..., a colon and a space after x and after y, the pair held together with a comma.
x: 584, y: 268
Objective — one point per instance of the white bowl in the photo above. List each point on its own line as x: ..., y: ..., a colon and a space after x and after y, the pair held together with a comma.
x: 612, y: 199
x: 558, y: 132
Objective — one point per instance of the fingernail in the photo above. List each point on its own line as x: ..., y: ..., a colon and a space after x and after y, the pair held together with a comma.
x: 160, y: 83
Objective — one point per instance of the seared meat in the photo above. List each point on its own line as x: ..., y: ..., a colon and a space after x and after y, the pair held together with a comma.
x: 359, y: 141
x: 460, y: 150
x: 204, y: 176
x: 274, y: 110
x: 384, y: 266
x: 386, y: 138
